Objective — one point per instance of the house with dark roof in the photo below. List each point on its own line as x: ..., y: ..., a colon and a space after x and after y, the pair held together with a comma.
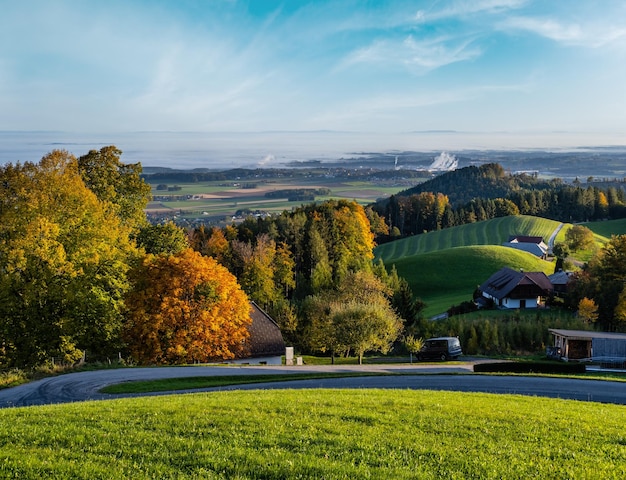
x: 508, y: 288
x: 265, y: 345
x: 530, y: 244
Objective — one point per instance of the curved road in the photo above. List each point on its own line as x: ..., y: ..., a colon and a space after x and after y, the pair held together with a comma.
x: 553, y: 236
x: 82, y: 386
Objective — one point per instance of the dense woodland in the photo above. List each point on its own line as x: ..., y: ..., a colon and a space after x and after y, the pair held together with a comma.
x: 473, y: 194
x: 82, y: 272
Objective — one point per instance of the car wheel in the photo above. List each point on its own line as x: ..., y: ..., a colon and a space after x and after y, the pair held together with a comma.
x: 443, y: 357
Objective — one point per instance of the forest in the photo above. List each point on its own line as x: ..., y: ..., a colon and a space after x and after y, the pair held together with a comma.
x: 473, y: 194
x: 83, y: 274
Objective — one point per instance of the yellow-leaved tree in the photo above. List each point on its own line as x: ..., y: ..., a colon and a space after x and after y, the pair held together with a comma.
x: 185, y: 308
x: 63, y: 261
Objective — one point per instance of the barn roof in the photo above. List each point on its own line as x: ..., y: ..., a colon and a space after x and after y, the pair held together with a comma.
x: 265, y: 338
x: 525, y: 239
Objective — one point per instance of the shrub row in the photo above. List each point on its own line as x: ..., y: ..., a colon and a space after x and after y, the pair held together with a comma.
x: 530, y: 367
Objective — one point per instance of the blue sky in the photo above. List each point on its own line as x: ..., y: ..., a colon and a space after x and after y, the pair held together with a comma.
x: 359, y: 66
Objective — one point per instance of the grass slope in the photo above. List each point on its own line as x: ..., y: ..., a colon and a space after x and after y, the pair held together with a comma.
x: 330, y: 434
x: 449, y: 277
x: 608, y: 228
x: 489, y: 232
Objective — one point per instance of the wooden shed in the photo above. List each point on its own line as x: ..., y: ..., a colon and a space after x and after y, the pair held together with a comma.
x: 589, y: 346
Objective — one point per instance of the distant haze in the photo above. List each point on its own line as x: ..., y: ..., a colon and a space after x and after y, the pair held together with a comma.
x: 187, y: 150
x: 379, y: 67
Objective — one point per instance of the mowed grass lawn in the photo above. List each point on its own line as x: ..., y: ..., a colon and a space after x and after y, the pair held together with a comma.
x: 489, y: 232
x: 330, y: 434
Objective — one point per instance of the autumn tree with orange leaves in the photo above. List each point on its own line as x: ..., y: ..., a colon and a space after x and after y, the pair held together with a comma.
x: 185, y: 308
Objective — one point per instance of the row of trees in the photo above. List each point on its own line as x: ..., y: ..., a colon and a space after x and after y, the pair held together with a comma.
x: 81, y: 270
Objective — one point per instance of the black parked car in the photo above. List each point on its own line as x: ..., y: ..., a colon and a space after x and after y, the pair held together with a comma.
x: 440, y: 348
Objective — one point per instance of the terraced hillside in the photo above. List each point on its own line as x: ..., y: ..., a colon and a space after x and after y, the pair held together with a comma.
x: 449, y: 277
x: 490, y: 232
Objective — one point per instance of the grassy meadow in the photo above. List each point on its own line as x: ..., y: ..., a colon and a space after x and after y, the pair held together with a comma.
x: 489, y: 232
x: 331, y: 434
x: 608, y: 228
x: 448, y: 277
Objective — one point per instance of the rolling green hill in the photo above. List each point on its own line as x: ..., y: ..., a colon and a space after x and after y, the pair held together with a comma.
x: 448, y: 277
x: 489, y: 232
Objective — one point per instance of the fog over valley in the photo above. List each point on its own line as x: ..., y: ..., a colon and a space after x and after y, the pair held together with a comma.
x: 564, y: 153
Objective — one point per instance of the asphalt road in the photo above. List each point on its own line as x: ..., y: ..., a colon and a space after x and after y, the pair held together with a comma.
x: 83, y: 386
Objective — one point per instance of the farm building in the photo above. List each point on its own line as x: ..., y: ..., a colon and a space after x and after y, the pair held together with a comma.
x: 534, y: 245
x: 509, y: 288
x: 559, y: 281
x: 265, y: 345
x: 598, y: 347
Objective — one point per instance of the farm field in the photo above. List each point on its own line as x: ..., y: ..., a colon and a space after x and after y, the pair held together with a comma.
x: 316, y: 434
x: 450, y: 276
x: 223, y: 199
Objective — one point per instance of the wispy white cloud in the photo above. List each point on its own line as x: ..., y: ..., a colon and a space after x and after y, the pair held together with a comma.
x: 591, y: 35
x: 462, y: 9
x: 415, y: 54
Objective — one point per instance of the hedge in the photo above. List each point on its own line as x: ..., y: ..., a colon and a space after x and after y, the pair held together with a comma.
x: 530, y: 367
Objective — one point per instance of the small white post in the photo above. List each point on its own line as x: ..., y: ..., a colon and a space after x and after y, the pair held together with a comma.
x: 289, y: 356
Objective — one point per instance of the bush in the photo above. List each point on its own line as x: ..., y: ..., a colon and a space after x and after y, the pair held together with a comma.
x: 530, y: 367
x: 12, y: 378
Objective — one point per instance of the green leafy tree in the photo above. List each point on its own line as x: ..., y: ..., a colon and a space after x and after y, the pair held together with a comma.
x: 364, y: 327
x: 603, y: 280
x: 255, y: 269
x: 620, y: 309
x: 63, y: 263
x: 164, y: 238
x: 117, y: 183
x: 579, y: 237
x: 413, y: 345
x: 561, y: 252
x: 357, y: 317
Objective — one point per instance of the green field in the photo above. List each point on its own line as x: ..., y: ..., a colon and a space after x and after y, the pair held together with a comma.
x: 489, y: 232
x: 448, y: 277
x: 608, y: 228
x: 331, y: 434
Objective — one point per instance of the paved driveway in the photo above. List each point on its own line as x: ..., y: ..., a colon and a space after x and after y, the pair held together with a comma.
x: 76, y: 387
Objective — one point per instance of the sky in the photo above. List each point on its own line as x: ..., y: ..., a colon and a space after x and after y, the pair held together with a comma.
x: 519, y: 67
